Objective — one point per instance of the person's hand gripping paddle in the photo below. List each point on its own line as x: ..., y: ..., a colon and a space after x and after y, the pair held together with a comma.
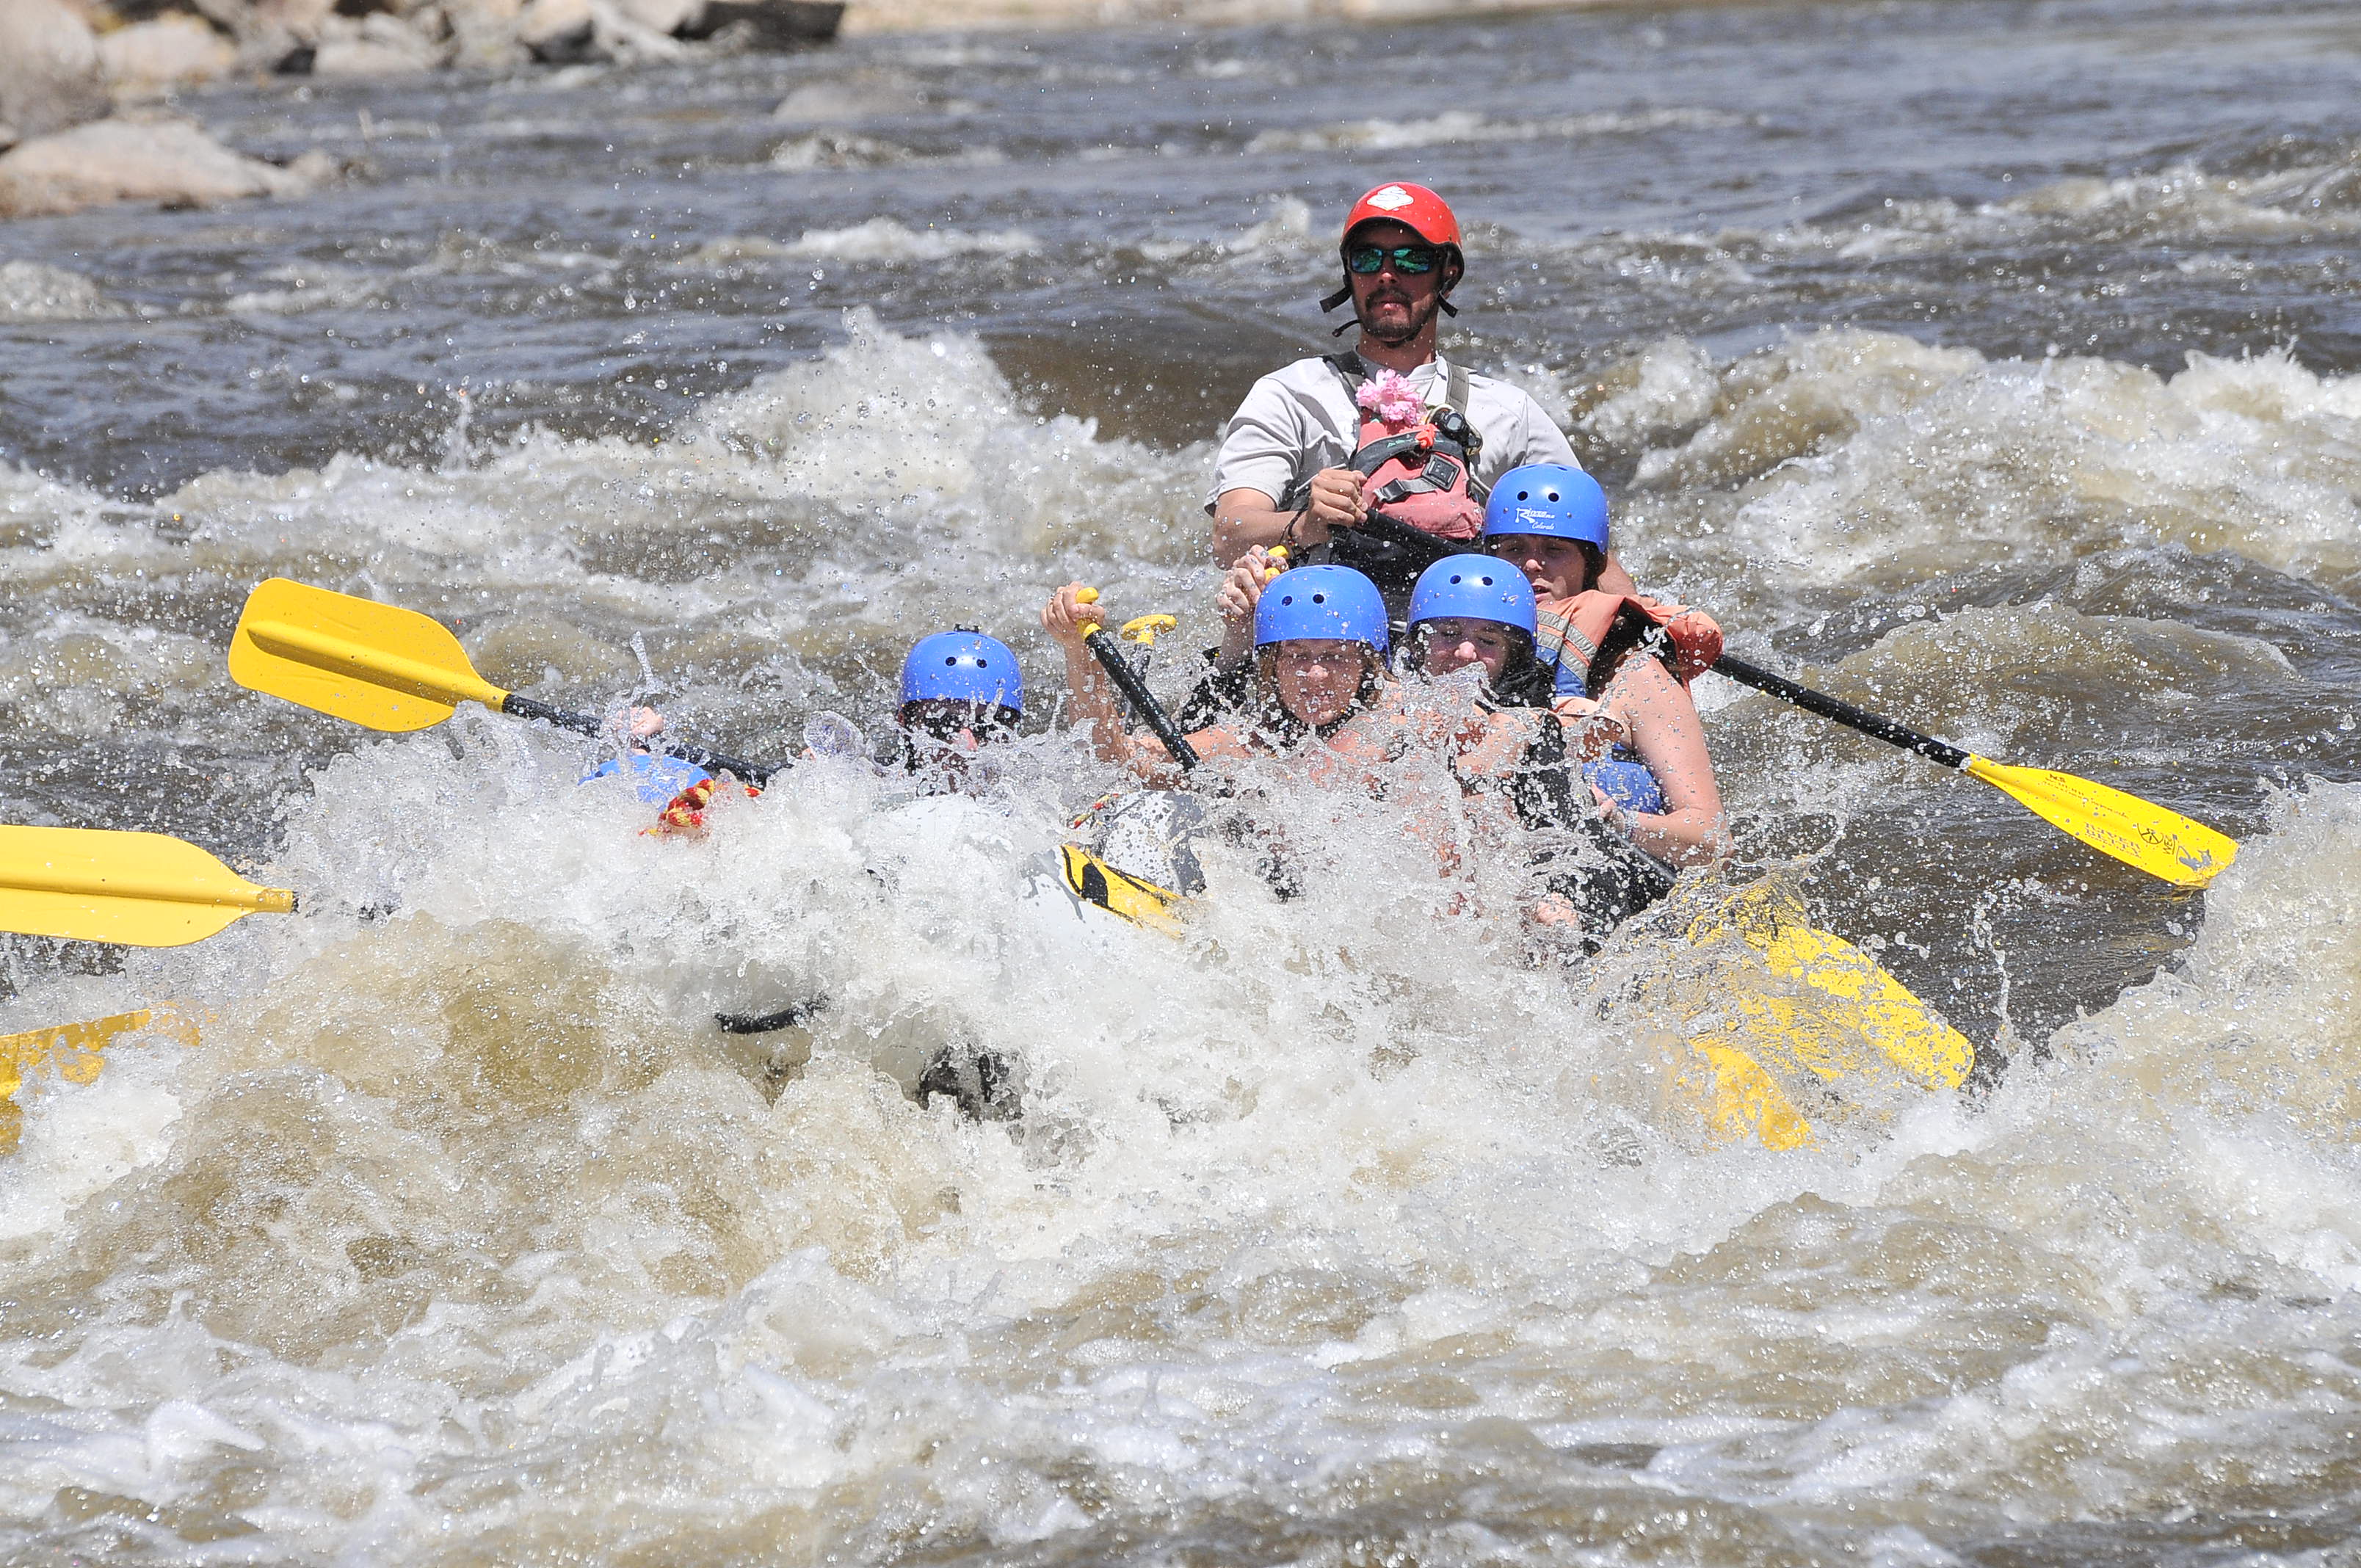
x: 1110, y: 653
x: 2163, y: 843
x: 391, y: 669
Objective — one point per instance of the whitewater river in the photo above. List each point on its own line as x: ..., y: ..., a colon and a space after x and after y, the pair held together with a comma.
x: 1995, y: 365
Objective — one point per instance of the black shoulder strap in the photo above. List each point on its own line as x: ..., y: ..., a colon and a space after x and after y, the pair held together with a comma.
x: 1348, y: 369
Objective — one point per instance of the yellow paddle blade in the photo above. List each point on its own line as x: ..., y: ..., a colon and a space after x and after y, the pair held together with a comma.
x: 2137, y: 832
x: 144, y: 889
x: 354, y: 659
x: 72, y: 1049
x: 1745, y: 1103
x: 1770, y: 915
x: 1880, y: 1007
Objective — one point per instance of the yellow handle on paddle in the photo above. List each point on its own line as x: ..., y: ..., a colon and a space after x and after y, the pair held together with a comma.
x: 1145, y: 629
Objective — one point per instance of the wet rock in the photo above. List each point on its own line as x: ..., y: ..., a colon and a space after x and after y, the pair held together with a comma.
x: 665, y: 17
x: 378, y: 45
x: 172, y: 49
x: 620, y: 36
x: 567, y: 32
x: 272, y: 35
x: 770, y: 24
x: 48, y: 69
x: 169, y: 163
x: 483, y: 33
x: 557, y: 32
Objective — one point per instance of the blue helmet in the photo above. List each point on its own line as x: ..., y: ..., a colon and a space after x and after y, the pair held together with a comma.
x: 1549, y: 498
x: 964, y: 666
x: 1320, y: 602
x: 1472, y: 588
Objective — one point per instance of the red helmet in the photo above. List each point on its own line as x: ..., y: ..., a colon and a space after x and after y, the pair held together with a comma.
x: 1417, y: 209
x: 1414, y: 207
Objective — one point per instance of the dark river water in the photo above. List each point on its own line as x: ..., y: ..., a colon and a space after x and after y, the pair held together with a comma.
x: 1997, y: 365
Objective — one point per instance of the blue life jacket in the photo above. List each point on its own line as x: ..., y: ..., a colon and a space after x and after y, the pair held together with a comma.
x: 656, y: 779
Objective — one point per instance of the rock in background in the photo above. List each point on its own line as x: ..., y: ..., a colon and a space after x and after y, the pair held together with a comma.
x: 164, y: 52
x: 49, y: 69
x: 160, y: 45
x: 167, y: 162
x: 67, y: 149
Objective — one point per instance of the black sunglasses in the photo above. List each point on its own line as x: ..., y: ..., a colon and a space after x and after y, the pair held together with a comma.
x: 1412, y: 259
x: 942, y: 720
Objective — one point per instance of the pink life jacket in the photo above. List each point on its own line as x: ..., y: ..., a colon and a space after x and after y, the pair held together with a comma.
x: 1420, y: 475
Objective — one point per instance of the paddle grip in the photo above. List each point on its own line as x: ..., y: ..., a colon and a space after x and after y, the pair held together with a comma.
x: 1844, y: 713
x: 583, y: 724
x: 1143, y: 701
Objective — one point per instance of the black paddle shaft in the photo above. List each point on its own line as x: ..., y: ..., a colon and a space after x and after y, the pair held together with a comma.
x: 1844, y: 713
x: 583, y: 724
x: 1143, y: 701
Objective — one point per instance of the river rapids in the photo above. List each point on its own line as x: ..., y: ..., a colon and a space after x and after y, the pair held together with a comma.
x: 1997, y: 365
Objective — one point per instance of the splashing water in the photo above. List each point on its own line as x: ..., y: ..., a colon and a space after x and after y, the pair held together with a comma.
x: 1334, y: 1230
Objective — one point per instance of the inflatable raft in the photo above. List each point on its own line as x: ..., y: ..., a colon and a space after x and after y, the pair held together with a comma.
x: 1769, y: 1025
x: 1766, y: 1030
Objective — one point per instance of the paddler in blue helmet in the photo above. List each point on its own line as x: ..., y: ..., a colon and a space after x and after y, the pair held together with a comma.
x: 1476, y: 612
x: 1550, y: 521
x: 1471, y: 627
x: 961, y: 692
x: 1320, y: 642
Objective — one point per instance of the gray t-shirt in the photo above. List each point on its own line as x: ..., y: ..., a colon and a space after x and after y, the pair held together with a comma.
x: 1300, y: 419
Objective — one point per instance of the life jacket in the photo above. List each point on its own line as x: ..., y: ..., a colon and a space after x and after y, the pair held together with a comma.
x: 1424, y: 474
x: 1419, y: 481
x: 1586, y: 635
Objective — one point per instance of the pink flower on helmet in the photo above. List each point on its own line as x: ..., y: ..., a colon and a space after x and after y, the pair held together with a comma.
x: 1389, y: 396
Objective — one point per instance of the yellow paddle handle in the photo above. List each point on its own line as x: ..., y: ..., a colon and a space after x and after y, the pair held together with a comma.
x: 1088, y: 596
x: 1277, y: 553
x: 1145, y: 629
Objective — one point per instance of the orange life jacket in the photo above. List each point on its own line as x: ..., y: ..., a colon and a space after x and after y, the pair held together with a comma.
x: 1570, y: 633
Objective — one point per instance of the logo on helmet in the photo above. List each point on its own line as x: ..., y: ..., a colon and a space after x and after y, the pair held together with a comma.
x: 1393, y: 198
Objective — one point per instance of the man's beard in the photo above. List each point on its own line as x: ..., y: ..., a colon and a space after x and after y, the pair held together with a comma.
x: 1414, y: 323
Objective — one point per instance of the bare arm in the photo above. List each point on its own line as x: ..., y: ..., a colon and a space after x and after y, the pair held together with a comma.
x: 1243, y: 518
x: 1670, y: 737
x: 1094, y: 701
x: 1614, y: 579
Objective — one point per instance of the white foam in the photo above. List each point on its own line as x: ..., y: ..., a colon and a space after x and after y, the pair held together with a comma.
x: 78, y: 1138
x: 846, y: 149
x: 886, y: 239
x: 1463, y: 125
x: 1850, y: 452
x: 307, y: 289
x: 35, y: 292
